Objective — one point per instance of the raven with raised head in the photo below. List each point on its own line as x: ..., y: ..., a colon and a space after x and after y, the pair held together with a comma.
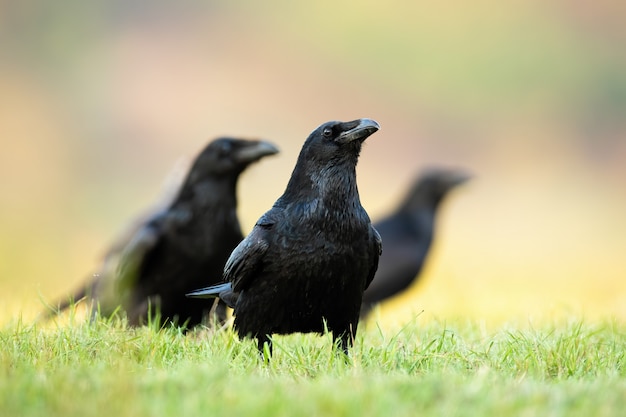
x: 307, y: 261
x: 180, y: 246
x: 408, y: 233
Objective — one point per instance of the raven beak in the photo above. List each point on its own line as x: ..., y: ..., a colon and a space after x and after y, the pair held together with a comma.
x: 360, y: 132
x: 255, y: 151
x: 457, y: 178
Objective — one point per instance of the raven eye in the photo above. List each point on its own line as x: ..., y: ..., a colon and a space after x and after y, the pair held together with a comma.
x: 328, y: 131
x: 224, y: 148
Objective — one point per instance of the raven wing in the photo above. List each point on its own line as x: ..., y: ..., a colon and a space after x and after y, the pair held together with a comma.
x: 247, y: 258
x: 137, y: 253
x: 376, y: 251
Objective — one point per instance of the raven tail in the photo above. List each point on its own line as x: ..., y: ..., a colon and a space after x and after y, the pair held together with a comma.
x: 210, y: 292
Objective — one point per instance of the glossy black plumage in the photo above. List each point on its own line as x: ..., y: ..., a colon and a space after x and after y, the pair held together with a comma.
x: 180, y: 246
x: 311, y: 256
x: 407, y: 235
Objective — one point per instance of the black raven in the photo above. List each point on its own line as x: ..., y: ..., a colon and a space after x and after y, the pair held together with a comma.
x: 407, y: 234
x: 310, y: 257
x: 175, y: 249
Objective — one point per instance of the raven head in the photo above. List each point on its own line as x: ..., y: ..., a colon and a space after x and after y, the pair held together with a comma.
x: 432, y: 186
x: 228, y: 157
x: 333, y: 142
x: 328, y: 158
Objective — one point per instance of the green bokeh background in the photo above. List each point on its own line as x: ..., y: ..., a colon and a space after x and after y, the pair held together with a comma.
x: 98, y: 100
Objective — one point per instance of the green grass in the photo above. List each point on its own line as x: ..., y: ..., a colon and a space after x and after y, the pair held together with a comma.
x: 455, y: 368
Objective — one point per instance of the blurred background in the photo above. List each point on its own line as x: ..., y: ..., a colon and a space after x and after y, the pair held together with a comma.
x: 98, y: 100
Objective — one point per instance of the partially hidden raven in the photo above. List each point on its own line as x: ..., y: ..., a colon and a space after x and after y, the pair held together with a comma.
x: 172, y: 251
x: 408, y: 233
x: 309, y: 258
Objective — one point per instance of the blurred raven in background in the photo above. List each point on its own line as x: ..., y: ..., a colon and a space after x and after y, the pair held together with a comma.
x: 310, y: 257
x: 180, y: 246
x: 407, y: 235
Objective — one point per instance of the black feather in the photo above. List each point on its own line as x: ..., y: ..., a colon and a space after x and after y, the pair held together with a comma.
x: 308, y: 259
x: 182, y: 245
x: 407, y: 234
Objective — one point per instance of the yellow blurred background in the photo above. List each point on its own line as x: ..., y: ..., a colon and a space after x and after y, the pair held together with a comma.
x: 98, y: 100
